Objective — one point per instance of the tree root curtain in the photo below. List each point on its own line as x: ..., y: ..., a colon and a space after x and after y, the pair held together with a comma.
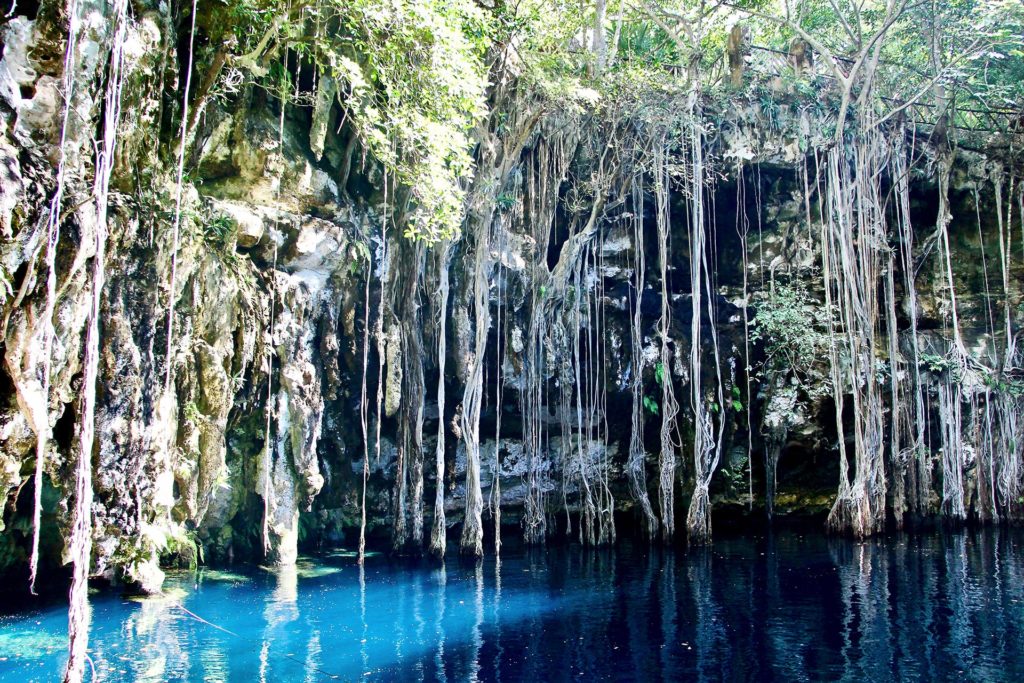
x: 259, y: 307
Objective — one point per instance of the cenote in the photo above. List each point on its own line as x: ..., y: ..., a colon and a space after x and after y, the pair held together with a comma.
x: 785, y: 606
x: 531, y: 340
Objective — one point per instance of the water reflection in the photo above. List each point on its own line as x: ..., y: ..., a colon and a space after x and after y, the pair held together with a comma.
x: 782, y: 607
x: 364, y: 653
x: 499, y: 650
x: 441, y: 576
x: 164, y: 650
x: 478, y: 619
x: 281, y: 610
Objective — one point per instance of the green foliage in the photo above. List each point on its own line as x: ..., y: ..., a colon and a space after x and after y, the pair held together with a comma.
x: 218, y: 229
x: 213, y: 230
x: 935, y: 363
x: 362, y: 257
x: 506, y: 201
x: 1001, y: 383
x: 793, y: 328
x: 769, y: 109
x: 979, y: 48
x: 191, y: 412
x: 184, y: 551
x: 735, y: 479
x: 363, y: 250
x: 735, y: 401
x: 659, y: 372
x: 650, y: 405
x: 413, y: 76
x: 543, y: 33
x: 647, y: 44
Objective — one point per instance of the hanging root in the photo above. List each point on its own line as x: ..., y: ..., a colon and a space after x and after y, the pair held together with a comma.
x: 669, y: 406
x: 363, y: 414
x: 438, y: 539
x: 853, y: 241
x: 500, y: 330
x: 635, y: 465
x: 707, y: 445
x: 41, y: 415
x: 80, y: 543
x: 472, y: 529
x: 698, y: 517
x: 415, y: 394
x: 543, y: 174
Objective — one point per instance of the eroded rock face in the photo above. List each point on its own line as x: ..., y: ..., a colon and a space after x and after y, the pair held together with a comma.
x: 248, y: 225
x: 294, y: 473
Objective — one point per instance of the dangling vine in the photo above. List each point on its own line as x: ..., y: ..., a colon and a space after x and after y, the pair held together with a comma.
x: 80, y: 543
x: 635, y: 464
x: 438, y: 539
x: 669, y: 407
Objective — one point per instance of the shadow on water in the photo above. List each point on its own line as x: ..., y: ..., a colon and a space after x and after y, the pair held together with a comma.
x: 783, y: 606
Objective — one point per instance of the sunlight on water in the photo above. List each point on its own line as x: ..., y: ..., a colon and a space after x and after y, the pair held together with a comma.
x: 787, y: 607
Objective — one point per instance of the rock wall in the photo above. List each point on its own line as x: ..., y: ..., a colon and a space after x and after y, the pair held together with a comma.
x: 246, y: 441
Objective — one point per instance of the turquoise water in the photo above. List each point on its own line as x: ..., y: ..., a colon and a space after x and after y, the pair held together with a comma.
x: 787, y: 607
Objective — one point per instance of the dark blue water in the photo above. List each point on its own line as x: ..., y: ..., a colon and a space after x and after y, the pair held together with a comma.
x: 787, y: 608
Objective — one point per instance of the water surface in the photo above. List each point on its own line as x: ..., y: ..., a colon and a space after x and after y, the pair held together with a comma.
x: 786, y: 607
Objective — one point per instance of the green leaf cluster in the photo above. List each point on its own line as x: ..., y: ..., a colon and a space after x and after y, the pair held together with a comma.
x: 413, y: 77
x: 793, y: 328
x: 650, y: 405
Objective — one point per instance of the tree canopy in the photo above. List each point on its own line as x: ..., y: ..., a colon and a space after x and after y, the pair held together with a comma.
x: 416, y: 77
